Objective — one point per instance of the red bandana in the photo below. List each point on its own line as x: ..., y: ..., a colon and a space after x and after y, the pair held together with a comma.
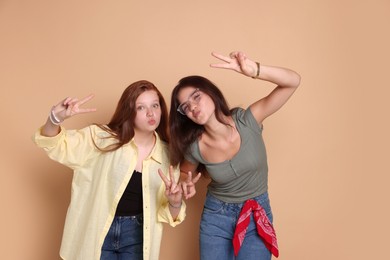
x: 264, y: 227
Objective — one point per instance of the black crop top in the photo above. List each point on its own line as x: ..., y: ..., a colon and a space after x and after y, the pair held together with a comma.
x: 131, y: 202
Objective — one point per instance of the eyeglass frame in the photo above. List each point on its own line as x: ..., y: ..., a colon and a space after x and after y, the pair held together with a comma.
x: 181, y: 111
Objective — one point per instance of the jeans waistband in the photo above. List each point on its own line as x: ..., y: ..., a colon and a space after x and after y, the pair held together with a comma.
x: 139, y: 216
x: 260, y: 198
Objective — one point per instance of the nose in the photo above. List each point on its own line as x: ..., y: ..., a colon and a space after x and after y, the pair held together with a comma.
x: 149, y: 112
x: 192, y: 106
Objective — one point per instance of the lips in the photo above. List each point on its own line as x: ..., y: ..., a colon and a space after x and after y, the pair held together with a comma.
x: 195, y: 114
x: 152, y: 122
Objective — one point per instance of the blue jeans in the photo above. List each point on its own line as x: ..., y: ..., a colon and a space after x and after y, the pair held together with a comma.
x: 217, y: 227
x: 124, y: 240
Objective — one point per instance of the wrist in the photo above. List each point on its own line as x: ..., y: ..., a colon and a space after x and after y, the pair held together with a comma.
x: 175, y: 206
x: 257, y: 71
x: 53, y: 118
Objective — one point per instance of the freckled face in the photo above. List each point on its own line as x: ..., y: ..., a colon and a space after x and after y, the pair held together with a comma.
x: 148, y: 111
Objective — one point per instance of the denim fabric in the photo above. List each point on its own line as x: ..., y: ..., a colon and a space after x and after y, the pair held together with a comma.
x: 124, y: 240
x: 217, y: 229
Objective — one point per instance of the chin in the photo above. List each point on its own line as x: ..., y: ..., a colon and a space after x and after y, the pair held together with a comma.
x: 200, y: 122
x: 149, y: 129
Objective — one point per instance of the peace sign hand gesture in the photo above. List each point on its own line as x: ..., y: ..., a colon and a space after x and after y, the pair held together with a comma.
x: 70, y: 107
x: 173, y: 191
x: 188, y: 185
x: 237, y: 61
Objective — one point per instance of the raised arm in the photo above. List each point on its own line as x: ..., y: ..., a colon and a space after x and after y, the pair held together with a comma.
x: 63, y: 110
x: 286, y: 81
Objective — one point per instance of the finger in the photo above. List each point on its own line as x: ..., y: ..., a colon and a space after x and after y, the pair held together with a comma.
x: 190, y: 194
x: 177, y: 191
x: 171, y: 174
x: 68, y: 110
x: 230, y: 63
x: 221, y: 65
x: 184, y: 188
x: 71, y: 107
x: 86, y: 99
x: 165, y: 180
x: 189, y: 177
x: 173, y: 187
x: 171, y: 177
x: 70, y: 101
x: 242, y: 60
x: 196, y: 179
x: 61, y: 103
x: 86, y: 110
x: 221, y: 57
x: 234, y: 54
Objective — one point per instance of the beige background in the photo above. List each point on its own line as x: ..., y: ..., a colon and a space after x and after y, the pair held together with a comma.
x: 328, y: 147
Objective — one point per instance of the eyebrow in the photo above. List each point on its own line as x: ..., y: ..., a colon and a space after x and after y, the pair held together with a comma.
x: 153, y: 101
x: 196, y: 90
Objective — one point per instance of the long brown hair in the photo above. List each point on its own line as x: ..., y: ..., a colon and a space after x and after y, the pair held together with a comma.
x: 182, y: 129
x: 121, y: 125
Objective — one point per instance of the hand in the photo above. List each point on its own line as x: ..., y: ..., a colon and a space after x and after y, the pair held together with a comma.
x: 71, y: 106
x: 173, y: 191
x: 188, y: 185
x: 236, y: 61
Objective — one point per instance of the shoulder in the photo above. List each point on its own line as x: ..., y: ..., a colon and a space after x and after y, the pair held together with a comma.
x: 245, y: 117
x: 193, y: 153
x: 98, y: 131
x: 99, y: 136
x: 242, y: 115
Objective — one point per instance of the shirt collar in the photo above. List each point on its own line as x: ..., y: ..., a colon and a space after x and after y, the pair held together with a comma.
x: 157, y: 150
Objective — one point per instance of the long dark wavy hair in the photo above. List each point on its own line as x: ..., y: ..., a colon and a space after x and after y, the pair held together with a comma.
x: 184, y: 131
x: 121, y: 125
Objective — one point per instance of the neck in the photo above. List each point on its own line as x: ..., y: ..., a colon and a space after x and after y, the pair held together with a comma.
x: 144, y: 139
x: 216, y: 130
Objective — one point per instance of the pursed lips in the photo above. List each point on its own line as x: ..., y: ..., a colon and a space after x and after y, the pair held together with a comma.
x: 195, y: 113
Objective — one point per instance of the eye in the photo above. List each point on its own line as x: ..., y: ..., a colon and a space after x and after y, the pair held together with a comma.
x: 140, y: 108
x: 197, y: 96
x: 156, y: 105
x: 185, y: 108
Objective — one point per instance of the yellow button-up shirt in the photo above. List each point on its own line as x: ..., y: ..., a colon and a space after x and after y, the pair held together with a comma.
x: 98, y: 183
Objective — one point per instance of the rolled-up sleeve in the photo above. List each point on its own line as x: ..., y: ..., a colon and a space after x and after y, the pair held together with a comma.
x: 70, y: 147
x: 47, y: 142
x: 164, y: 214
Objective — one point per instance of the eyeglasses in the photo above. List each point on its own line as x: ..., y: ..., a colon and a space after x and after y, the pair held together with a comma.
x: 194, y: 98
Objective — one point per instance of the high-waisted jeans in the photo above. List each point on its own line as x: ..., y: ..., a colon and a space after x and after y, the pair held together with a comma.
x: 217, y: 227
x: 124, y: 240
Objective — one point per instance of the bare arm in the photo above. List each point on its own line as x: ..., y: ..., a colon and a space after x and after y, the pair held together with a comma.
x: 287, y: 82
